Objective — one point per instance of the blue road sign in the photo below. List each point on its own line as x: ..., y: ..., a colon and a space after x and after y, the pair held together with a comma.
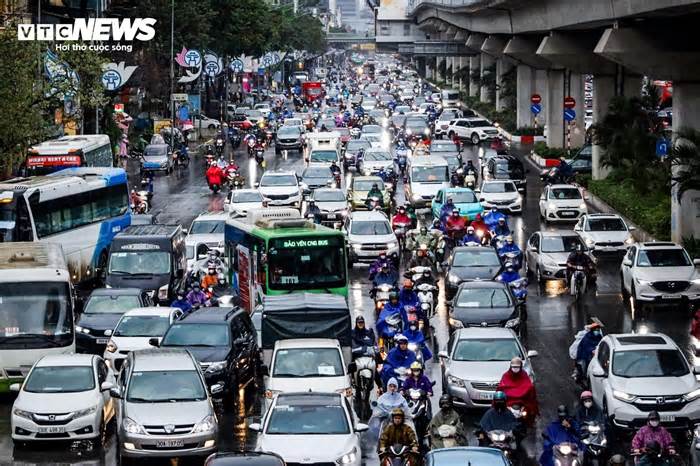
x: 662, y: 147
x: 569, y: 114
x: 261, y: 71
x: 536, y: 108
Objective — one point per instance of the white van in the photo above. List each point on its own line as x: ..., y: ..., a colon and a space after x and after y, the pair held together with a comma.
x: 426, y: 176
x: 323, y: 147
x: 450, y: 98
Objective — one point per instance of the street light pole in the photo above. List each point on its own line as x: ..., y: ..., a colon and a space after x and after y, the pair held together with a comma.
x: 172, y: 75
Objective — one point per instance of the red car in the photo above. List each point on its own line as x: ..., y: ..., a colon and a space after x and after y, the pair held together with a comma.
x: 241, y: 122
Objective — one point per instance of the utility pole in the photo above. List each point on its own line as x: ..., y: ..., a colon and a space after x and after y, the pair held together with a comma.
x: 171, y: 142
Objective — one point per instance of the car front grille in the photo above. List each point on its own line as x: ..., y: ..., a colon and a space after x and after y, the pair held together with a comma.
x: 491, y: 131
x: 660, y: 403
x: 374, y: 247
x: 53, y: 419
x: 609, y: 244
x: 186, y: 446
x: 277, y: 197
x: 486, y: 386
x: 506, y: 202
x: 311, y: 464
x: 171, y: 430
x: 672, y: 286
x: 288, y: 141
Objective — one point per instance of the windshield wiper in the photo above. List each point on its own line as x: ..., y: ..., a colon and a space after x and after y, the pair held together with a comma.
x: 140, y: 400
x: 493, y: 293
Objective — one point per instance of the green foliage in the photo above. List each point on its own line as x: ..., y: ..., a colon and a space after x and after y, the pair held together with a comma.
x: 540, y: 148
x: 685, y: 161
x: 649, y: 209
x: 529, y: 131
x: 692, y: 245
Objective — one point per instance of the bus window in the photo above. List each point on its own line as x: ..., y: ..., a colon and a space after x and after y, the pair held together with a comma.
x: 302, y: 264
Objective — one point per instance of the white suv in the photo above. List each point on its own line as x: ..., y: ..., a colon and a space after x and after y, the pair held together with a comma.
x: 369, y: 235
x: 660, y: 273
x: 632, y: 374
x: 562, y: 203
x: 281, y: 188
x: 605, y: 232
x: 473, y: 129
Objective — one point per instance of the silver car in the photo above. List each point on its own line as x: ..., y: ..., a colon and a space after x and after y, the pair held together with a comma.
x: 547, y: 252
x: 633, y: 374
x: 164, y: 409
x: 476, y: 359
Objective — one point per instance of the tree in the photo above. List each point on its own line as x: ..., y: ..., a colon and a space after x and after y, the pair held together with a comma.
x: 685, y: 161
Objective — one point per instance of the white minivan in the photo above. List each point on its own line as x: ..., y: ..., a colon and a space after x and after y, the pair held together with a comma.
x: 426, y: 176
x: 450, y: 98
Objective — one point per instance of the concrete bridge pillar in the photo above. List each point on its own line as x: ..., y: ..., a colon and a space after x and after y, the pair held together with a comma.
x: 603, y: 91
x: 439, y: 64
x: 428, y: 68
x: 541, y: 84
x: 460, y: 78
x: 523, y: 92
x: 449, y: 70
x: 685, y: 215
x: 503, y: 66
x: 555, y: 109
x: 578, y: 126
x: 487, y: 61
x: 474, y: 68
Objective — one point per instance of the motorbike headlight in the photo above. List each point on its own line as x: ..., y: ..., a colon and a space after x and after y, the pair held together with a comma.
x: 564, y: 449
x: 593, y: 429
x: 451, y: 379
x: 412, y: 347
x: 85, y: 412
x: 426, y: 131
x: 132, y: 427
x: 111, y: 346
x: 622, y: 396
x: 22, y: 413
x: 205, y: 425
x: 512, y: 323
x: 216, y: 367
x: 348, y: 457
x: 409, y: 132
x: 163, y: 292
x: 694, y: 395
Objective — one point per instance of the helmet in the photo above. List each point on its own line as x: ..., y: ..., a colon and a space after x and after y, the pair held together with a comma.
x: 393, y: 296
x: 375, y: 186
x: 455, y: 211
x: 397, y: 412
x: 516, y: 361
x: 509, y: 265
x: 617, y: 459
x: 509, y: 239
x: 423, y: 230
x: 499, y: 396
x: 587, y: 395
x: 653, y: 416
x: 579, y: 248
x: 562, y: 411
x: 501, y: 220
x: 408, y: 283
x: 494, y: 210
x: 415, y: 365
x: 445, y: 401
x: 400, y: 339
x: 359, y: 319
x: 470, y: 229
x: 312, y: 202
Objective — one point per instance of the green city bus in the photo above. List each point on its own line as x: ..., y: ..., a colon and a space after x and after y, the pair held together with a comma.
x: 273, y: 251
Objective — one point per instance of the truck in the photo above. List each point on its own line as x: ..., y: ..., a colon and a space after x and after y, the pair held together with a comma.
x: 311, y: 91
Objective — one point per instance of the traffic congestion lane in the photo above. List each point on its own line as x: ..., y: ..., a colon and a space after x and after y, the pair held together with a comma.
x: 552, y: 318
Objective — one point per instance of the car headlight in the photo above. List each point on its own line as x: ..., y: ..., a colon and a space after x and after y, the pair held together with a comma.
x: 205, y: 425
x: 453, y: 279
x: 416, y: 197
x: 216, y: 367
x: 642, y: 282
x: 552, y: 206
x: 629, y: 240
x: 550, y: 264
x: 512, y: 323
x: 590, y: 242
x: 132, y: 427
x: 455, y: 323
x: 22, y: 413
x: 519, y: 198
x: 582, y: 206
x: 163, y: 292
x: 451, y: 379
x: 84, y: 412
x: 426, y: 131
x: 348, y: 457
x: 111, y: 346
x: 408, y: 131
x: 392, y: 245
x: 622, y: 396
x: 357, y: 247
x: 694, y: 395
x: 84, y: 330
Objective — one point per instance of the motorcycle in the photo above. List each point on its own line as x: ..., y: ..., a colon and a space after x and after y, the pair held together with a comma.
x: 504, y: 440
x: 566, y: 454
x: 593, y: 437
x: 337, y: 181
x: 373, y: 203
x: 448, y: 435
x: 515, y: 258
x: 519, y: 289
x: 259, y: 154
x: 366, y: 367
x: 219, y: 145
x: 234, y: 138
x: 397, y: 455
x: 426, y: 297
x: 400, y: 230
x: 419, y: 405
x: 381, y: 296
x: 209, y: 158
x: 578, y: 281
x: 422, y: 257
x: 142, y: 206
x: 401, y: 160
x: 235, y: 180
x: 457, y: 179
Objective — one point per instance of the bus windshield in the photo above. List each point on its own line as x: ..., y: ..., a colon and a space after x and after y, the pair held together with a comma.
x: 35, y: 315
x: 306, y: 263
x: 139, y: 263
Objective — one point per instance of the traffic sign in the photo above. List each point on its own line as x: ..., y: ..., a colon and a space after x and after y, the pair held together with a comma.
x: 118, y: 108
x: 535, y: 108
x: 569, y: 102
x: 536, y: 99
x: 261, y: 71
x: 569, y: 114
x: 662, y: 147
x: 237, y: 65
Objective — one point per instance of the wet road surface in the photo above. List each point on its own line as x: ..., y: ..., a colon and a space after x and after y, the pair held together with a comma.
x: 553, y: 318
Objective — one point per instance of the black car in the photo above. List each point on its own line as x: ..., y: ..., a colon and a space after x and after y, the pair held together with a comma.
x: 224, y: 342
x: 247, y: 458
x: 101, y: 312
x: 582, y: 162
x: 416, y: 126
x: 486, y: 304
x: 317, y: 176
x: 470, y: 263
x: 506, y: 167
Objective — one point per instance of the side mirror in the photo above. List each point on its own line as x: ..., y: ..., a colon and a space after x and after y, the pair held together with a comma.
x: 628, y: 263
x: 532, y: 354
x: 532, y: 248
x: 443, y: 355
x: 360, y: 427
x: 256, y: 426
x: 15, y: 387
x: 216, y: 389
x: 631, y: 228
x: 352, y: 367
x: 598, y: 372
x: 257, y: 184
x: 542, y: 197
x: 115, y: 392
x: 108, y: 332
x: 106, y: 386
x: 696, y: 261
x: 154, y: 341
x: 577, y: 228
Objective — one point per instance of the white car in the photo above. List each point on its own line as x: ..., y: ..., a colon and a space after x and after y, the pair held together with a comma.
x: 369, y: 235
x: 64, y: 397
x: 632, y: 374
x: 308, y: 364
x: 503, y: 195
x: 661, y: 273
x: 562, y: 203
x: 332, y: 203
x: 207, y: 229
x: 311, y: 428
x: 282, y: 188
x: 239, y: 201
x: 134, y: 330
x: 605, y: 232
x: 376, y: 160
x: 295, y: 122
x: 472, y: 129
x: 206, y: 122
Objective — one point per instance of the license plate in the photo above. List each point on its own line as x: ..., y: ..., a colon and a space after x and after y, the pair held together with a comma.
x: 52, y: 430
x: 102, y: 341
x: 668, y: 418
x: 670, y: 296
x: 170, y: 443
x: 332, y: 216
x: 486, y: 395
